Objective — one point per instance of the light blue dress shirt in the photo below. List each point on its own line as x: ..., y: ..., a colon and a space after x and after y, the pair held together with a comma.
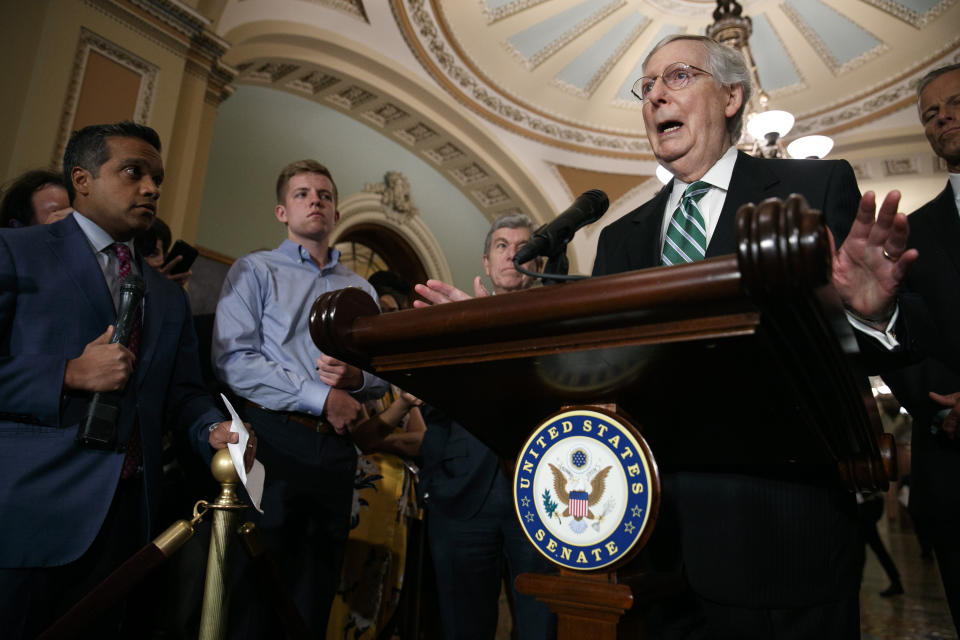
x: 101, y: 241
x: 262, y: 346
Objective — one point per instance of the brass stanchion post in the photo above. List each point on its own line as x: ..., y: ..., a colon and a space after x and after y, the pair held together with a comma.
x: 216, y: 603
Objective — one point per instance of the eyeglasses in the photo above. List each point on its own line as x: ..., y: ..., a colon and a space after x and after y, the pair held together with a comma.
x: 676, y: 76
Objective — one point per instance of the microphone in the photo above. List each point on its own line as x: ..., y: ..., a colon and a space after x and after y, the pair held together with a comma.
x: 552, y: 238
x: 99, y: 427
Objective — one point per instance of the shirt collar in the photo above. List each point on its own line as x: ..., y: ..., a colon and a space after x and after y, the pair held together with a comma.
x: 296, y: 252
x: 96, y: 236
x: 718, y: 175
x: 955, y: 183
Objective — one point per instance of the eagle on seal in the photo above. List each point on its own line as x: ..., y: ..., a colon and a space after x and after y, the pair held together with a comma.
x: 597, y: 486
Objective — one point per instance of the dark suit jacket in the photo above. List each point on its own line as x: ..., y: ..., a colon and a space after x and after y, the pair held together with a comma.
x: 458, y: 470
x: 54, y: 495
x: 749, y: 540
x: 633, y: 241
x: 930, y: 336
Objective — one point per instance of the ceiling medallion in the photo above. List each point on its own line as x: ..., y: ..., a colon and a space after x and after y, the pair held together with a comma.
x: 687, y: 8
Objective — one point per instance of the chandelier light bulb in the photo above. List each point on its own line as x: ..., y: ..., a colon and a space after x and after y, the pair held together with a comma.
x: 810, y: 147
x: 766, y: 122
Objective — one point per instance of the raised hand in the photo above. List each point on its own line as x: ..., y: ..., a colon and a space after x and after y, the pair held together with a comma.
x: 437, y: 292
x: 873, y: 260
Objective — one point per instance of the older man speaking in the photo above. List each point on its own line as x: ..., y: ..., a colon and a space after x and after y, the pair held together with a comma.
x: 766, y: 552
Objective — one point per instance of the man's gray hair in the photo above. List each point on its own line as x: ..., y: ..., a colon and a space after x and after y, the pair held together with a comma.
x: 728, y: 67
x: 933, y: 75
x: 507, y: 221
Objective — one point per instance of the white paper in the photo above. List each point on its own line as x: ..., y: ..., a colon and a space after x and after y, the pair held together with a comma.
x: 253, y: 481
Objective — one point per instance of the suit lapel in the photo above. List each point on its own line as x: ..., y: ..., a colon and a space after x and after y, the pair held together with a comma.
x: 648, y: 228
x: 72, y: 249
x: 155, y: 302
x: 750, y: 180
x: 948, y: 224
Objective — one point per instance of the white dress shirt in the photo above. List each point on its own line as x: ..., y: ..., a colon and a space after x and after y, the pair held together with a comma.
x: 711, y: 204
x: 100, y: 242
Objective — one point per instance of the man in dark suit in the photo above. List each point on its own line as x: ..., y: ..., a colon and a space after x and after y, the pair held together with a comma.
x: 71, y: 513
x: 917, y: 325
x: 766, y: 554
x: 472, y: 526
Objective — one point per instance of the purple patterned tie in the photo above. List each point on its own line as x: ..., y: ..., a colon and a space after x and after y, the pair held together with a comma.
x: 124, y: 266
x: 134, y: 457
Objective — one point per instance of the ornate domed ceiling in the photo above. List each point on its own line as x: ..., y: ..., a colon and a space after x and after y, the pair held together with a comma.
x: 523, y: 103
x: 561, y: 70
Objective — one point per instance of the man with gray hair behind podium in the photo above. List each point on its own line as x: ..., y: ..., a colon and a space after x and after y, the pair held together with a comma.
x: 472, y: 527
x: 765, y: 552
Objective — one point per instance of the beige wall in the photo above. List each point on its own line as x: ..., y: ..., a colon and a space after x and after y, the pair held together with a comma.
x: 178, y: 86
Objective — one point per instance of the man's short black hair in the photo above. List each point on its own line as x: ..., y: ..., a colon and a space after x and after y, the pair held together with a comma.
x: 145, y: 242
x: 16, y: 210
x: 390, y: 283
x: 87, y: 147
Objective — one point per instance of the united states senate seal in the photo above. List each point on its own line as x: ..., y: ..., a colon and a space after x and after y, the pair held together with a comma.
x: 586, y: 489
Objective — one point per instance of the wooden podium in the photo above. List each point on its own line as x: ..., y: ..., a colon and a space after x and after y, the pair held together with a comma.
x: 765, y: 328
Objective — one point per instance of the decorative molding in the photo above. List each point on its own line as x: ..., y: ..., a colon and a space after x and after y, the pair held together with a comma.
x: 789, y: 89
x: 90, y: 41
x: 271, y: 71
x: 491, y: 196
x: 353, y: 8
x: 683, y: 7
x: 313, y: 82
x: 416, y: 134
x: 423, y: 27
x: 949, y: 53
x: 470, y: 174
x: 177, y: 28
x: 565, y: 38
x: 911, y: 17
x: 395, y: 195
x: 219, y: 83
x: 351, y: 97
x: 824, y: 51
x: 175, y: 14
x: 900, y: 167
x: 444, y: 153
x: 464, y: 168
x: 601, y: 72
x: 476, y: 93
x: 873, y: 104
x: 385, y: 114
x: 862, y: 171
x: 506, y: 10
x: 368, y: 208
x: 146, y: 30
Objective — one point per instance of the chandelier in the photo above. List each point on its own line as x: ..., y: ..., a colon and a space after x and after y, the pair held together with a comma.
x: 765, y: 128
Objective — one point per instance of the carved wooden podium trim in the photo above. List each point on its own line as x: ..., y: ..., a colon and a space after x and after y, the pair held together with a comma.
x: 766, y: 318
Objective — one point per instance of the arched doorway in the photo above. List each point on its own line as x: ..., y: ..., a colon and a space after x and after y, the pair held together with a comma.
x: 368, y: 247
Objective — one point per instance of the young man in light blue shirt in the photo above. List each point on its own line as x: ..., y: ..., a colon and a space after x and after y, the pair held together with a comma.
x: 308, y: 402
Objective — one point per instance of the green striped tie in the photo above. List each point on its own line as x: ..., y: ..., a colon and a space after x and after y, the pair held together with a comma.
x: 686, y: 239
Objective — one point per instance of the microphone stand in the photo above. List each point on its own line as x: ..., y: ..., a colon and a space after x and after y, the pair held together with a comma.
x: 555, y: 271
